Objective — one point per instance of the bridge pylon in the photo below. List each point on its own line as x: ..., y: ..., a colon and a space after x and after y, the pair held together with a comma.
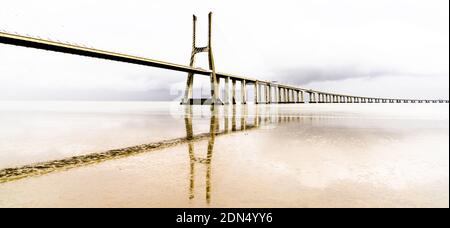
x: 188, y: 96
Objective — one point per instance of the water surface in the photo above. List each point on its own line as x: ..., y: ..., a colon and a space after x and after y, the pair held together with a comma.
x: 166, y: 155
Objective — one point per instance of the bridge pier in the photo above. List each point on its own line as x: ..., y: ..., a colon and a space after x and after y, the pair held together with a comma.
x: 310, y: 96
x: 281, y: 95
x: 227, y: 91
x: 256, y: 91
x: 278, y: 89
x: 291, y: 96
x: 288, y: 96
x: 188, y: 96
x: 262, y: 93
x: 300, y: 97
x: 243, y: 92
x: 293, y: 99
x: 233, y: 91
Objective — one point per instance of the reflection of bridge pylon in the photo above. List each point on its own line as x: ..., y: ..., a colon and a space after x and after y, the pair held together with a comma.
x: 193, y: 159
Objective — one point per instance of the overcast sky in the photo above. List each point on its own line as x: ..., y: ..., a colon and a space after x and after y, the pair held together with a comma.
x: 382, y: 48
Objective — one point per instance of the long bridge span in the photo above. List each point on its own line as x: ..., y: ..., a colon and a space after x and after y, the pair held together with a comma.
x: 265, y: 92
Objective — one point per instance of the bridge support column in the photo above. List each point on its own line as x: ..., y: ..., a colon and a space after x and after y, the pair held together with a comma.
x: 288, y: 94
x: 292, y: 93
x: 270, y: 93
x: 233, y: 91
x: 291, y: 96
x: 280, y: 95
x: 278, y: 89
x: 261, y: 98
x: 302, y: 96
x: 264, y: 87
x: 227, y: 90
x: 256, y: 93
x: 243, y: 92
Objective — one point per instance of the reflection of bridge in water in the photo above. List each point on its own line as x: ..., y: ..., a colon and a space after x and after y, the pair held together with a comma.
x: 232, y: 123
x: 264, y: 92
x: 223, y: 120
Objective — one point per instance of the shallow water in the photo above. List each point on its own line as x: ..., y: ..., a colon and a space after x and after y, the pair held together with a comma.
x: 318, y: 155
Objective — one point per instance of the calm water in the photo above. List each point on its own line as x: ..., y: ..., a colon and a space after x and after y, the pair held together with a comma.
x: 143, y: 154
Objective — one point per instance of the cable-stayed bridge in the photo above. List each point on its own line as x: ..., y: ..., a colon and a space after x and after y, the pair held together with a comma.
x: 265, y: 92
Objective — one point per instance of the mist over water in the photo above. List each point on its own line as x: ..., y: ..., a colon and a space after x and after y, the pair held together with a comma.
x: 308, y: 155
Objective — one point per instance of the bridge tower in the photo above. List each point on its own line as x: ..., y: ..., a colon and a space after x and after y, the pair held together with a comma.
x: 188, y: 96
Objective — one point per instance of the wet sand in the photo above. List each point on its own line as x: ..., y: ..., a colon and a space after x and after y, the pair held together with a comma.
x: 341, y: 155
